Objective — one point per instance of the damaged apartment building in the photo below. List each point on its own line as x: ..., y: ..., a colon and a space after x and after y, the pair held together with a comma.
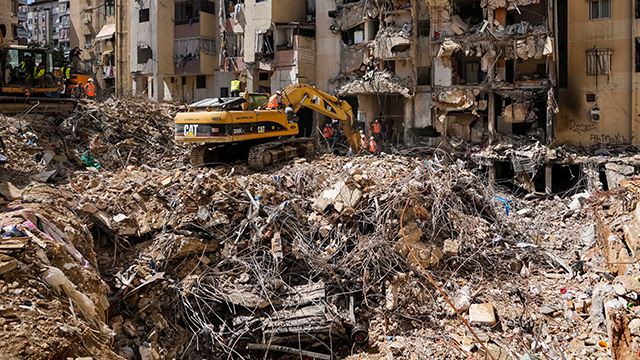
x: 463, y: 69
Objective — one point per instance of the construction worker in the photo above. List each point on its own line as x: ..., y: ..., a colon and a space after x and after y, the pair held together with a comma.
x: 373, y: 147
x: 377, y: 130
x: 235, y: 88
x: 25, y: 68
x: 363, y: 140
x: 38, y: 73
x: 90, y: 89
x: 66, y: 72
x: 327, y: 132
x: 275, y: 101
x: 75, y: 58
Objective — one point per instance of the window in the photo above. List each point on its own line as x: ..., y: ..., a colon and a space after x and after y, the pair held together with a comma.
x: 423, y: 28
x: 637, y: 9
x: 599, y: 9
x: 109, y: 7
x: 144, y: 54
x: 184, y: 80
x: 201, y: 82
x: 599, y: 61
x: 263, y: 76
x: 591, y: 97
x: 87, y: 41
x: 187, y: 12
x: 144, y: 15
x: 637, y: 55
x: 224, y: 92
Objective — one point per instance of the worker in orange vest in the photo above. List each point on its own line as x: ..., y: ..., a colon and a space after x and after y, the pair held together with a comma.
x: 90, y: 89
x: 363, y: 141
x: 373, y: 148
x: 275, y: 101
x: 377, y: 130
x: 327, y: 132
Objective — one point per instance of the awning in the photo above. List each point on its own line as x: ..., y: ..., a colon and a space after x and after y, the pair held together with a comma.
x: 106, y: 32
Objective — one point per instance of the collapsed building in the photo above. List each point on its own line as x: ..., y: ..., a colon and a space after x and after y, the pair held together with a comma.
x: 463, y: 69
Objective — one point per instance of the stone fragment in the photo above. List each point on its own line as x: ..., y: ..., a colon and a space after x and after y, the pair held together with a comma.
x: 482, y: 313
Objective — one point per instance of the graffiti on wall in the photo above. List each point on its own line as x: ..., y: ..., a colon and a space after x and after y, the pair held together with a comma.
x: 581, y: 128
x: 608, y: 139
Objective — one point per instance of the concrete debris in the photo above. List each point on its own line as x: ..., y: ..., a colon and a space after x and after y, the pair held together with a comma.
x: 378, y: 82
x: 518, y: 113
x: 143, y: 257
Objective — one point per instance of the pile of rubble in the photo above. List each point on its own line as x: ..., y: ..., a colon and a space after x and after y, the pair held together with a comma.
x: 143, y: 257
x: 109, y: 135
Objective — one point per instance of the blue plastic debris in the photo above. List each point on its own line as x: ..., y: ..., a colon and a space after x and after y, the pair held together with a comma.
x: 3, y: 159
x: 506, y: 203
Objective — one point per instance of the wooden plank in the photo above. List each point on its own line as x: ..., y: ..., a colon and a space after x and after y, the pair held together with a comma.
x: 289, y: 350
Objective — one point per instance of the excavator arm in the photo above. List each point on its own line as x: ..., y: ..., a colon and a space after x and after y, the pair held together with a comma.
x: 308, y: 96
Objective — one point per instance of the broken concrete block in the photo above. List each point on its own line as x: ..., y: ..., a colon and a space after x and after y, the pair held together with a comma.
x: 634, y: 327
x: 451, y: 247
x: 482, y: 313
x: 8, y: 266
x: 10, y: 192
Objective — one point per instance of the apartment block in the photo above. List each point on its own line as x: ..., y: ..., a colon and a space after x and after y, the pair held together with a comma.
x: 92, y: 29
x: 9, y: 17
x: 173, y: 47
x: 21, y: 34
x: 268, y: 45
x: 599, y: 68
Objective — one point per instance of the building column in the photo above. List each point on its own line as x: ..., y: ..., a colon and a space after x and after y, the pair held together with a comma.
x: 158, y: 84
x: 548, y: 178
x: 409, y: 118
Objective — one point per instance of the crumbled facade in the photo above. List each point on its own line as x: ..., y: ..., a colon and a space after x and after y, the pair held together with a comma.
x: 268, y: 45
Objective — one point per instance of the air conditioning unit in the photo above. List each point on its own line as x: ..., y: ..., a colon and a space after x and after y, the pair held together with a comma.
x: 595, y: 114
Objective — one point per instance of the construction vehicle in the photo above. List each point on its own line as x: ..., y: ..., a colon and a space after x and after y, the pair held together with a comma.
x: 19, y: 92
x: 262, y: 136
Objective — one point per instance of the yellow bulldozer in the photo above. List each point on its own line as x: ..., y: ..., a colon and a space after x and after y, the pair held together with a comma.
x: 227, y: 126
x: 20, y: 89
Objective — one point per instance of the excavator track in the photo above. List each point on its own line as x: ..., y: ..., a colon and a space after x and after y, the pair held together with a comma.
x: 274, y: 152
x: 18, y: 104
x: 204, y: 154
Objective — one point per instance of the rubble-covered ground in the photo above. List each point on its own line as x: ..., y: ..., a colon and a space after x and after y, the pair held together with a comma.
x: 112, y: 247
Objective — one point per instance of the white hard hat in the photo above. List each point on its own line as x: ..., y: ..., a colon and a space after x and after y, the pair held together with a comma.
x: 371, y: 138
x: 90, y: 80
x: 361, y: 131
x: 278, y: 93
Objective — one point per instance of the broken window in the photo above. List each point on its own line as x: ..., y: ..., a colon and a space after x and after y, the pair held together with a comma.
x: 637, y: 55
x: 144, y: 54
x: 468, y: 11
x: 599, y: 9
x: 143, y: 15
x: 467, y: 70
x: 424, y: 27
x: 352, y: 36
x: 424, y: 76
x: 637, y: 9
x: 201, y: 82
x: 264, y: 43
x: 184, y: 80
x: 187, y: 12
x: 233, y: 44
x: 389, y: 66
x: 599, y: 61
x: 530, y: 71
x: 109, y: 7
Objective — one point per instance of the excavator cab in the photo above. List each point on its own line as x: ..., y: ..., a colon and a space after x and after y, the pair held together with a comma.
x: 20, y: 71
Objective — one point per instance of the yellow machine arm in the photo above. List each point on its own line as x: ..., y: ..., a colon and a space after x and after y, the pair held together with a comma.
x: 308, y: 96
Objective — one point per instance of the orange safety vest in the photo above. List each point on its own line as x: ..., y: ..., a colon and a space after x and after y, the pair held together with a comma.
x: 372, y: 146
x: 273, y: 102
x: 363, y: 142
x: 376, y: 128
x: 327, y: 132
x: 90, y: 90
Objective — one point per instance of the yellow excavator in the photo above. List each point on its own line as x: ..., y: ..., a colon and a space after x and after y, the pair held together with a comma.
x: 225, y: 126
x: 19, y: 92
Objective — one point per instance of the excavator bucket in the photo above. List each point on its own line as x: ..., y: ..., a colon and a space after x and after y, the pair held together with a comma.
x: 40, y: 105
